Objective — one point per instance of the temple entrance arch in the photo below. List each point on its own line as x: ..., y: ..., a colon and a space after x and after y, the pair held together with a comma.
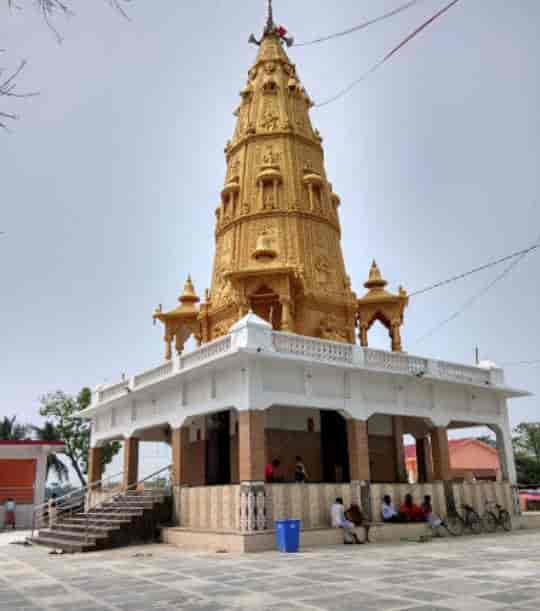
x: 265, y: 302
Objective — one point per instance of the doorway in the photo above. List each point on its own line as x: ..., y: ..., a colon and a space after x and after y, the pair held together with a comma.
x: 265, y: 303
x: 335, y: 448
x: 218, y: 444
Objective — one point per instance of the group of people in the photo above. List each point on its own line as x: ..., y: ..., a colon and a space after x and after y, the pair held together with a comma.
x: 409, y: 511
x: 273, y: 472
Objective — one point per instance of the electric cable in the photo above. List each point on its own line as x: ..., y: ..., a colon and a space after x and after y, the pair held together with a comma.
x: 519, y: 363
x: 376, y: 66
x: 362, y: 26
x: 476, y: 296
x: 474, y: 271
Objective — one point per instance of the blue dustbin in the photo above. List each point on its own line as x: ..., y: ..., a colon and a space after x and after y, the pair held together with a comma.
x: 288, y: 535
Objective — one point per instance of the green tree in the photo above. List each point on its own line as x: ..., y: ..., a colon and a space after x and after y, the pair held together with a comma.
x: 48, y: 432
x: 64, y: 412
x: 11, y: 430
x: 526, y: 443
x: 527, y: 439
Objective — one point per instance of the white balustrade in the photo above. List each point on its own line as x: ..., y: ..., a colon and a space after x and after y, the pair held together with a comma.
x: 206, y: 352
x: 462, y: 373
x: 395, y: 362
x: 154, y: 375
x: 317, y: 349
x: 112, y: 392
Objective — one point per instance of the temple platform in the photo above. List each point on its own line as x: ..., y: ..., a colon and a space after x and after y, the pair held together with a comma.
x: 231, y: 542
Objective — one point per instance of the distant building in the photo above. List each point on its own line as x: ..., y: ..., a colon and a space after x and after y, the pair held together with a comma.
x: 470, y: 459
x: 23, y: 468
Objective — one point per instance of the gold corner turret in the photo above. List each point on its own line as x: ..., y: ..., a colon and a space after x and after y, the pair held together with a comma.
x: 379, y: 304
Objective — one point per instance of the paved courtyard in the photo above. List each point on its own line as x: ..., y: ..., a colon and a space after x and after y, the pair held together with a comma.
x: 488, y: 572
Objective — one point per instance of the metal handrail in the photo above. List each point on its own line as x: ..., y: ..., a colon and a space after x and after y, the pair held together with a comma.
x: 117, y: 494
x: 80, y: 493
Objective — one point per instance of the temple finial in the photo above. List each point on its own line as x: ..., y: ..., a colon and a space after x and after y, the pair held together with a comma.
x: 270, y: 25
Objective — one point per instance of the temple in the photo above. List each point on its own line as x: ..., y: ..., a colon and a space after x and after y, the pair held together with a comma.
x: 283, y: 367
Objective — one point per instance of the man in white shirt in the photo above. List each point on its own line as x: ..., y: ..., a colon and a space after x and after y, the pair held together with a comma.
x: 337, y: 516
x: 389, y: 513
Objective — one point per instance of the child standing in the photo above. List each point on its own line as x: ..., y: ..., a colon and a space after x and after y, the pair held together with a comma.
x: 10, y: 507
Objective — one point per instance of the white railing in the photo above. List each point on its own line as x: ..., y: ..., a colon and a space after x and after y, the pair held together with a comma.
x: 153, y: 375
x: 317, y: 350
x: 460, y: 373
x: 113, y: 392
x: 206, y: 352
x: 320, y: 350
x: 394, y: 361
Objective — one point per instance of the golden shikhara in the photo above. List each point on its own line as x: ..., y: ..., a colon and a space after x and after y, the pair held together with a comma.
x: 278, y: 249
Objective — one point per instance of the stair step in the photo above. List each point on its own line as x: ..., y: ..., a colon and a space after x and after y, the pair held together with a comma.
x: 105, y: 530
x: 97, y: 521
x: 72, y: 536
x: 60, y: 544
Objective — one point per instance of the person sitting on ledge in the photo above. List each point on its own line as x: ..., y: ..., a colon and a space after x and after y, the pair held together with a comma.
x: 409, y: 511
x: 388, y: 511
x: 337, y: 514
x: 429, y: 516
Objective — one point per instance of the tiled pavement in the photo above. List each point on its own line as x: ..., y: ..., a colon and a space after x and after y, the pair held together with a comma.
x: 470, y: 573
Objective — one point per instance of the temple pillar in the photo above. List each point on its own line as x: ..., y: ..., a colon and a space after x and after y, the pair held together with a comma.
x: 180, y: 441
x: 441, y: 454
x: 95, y: 468
x: 401, y: 470
x: 357, y: 437
x: 395, y: 335
x: 251, y: 446
x: 168, y: 348
x: 131, y: 462
x: 363, y: 335
x: 286, y: 322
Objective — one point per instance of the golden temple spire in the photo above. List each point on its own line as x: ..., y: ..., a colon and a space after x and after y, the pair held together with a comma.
x: 375, y: 281
x: 189, y: 295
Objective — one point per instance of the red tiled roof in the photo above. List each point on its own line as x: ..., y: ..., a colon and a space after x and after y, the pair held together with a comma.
x: 410, y: 450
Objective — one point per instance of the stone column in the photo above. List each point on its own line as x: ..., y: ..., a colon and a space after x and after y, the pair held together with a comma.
x: 95, y: 470
x: 441, y: 454
x: 251, y: 446
x: 357, y: 436
x: 251, y: 463
x: 401, y: 470
x: 131, y: 462
x: 180, y: 441
x: 421, y: 470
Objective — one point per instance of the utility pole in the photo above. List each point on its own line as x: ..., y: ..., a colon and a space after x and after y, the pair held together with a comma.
x: 477, y: 356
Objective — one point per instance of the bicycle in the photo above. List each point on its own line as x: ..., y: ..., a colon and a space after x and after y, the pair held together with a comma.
x: 456, y: 523
x: 493, y: 518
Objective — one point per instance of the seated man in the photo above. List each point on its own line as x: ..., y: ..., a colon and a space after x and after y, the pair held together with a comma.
x: 272, y: 472
x: 388, y: 511
x: 431, y: 518
x: 337, y: 515
x: 409, y: 511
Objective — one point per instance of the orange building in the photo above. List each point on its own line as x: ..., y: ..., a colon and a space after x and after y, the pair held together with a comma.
x: 470, y: 459
x: 23, y: 474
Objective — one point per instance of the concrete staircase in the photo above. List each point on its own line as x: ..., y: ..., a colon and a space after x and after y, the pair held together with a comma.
x: 133, y: 516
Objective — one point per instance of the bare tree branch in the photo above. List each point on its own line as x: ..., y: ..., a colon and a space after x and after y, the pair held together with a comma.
x: 7, y: 89
x: 48, y: 9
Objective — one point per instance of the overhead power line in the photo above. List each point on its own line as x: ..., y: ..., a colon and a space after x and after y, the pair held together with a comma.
x: 437, y: 285
x: 518, y: 363
x: 361, y: 26
x: 477, y: 295
x: 376, y: 66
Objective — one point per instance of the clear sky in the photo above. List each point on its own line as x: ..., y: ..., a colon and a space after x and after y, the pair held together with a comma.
x: 110, y: 178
